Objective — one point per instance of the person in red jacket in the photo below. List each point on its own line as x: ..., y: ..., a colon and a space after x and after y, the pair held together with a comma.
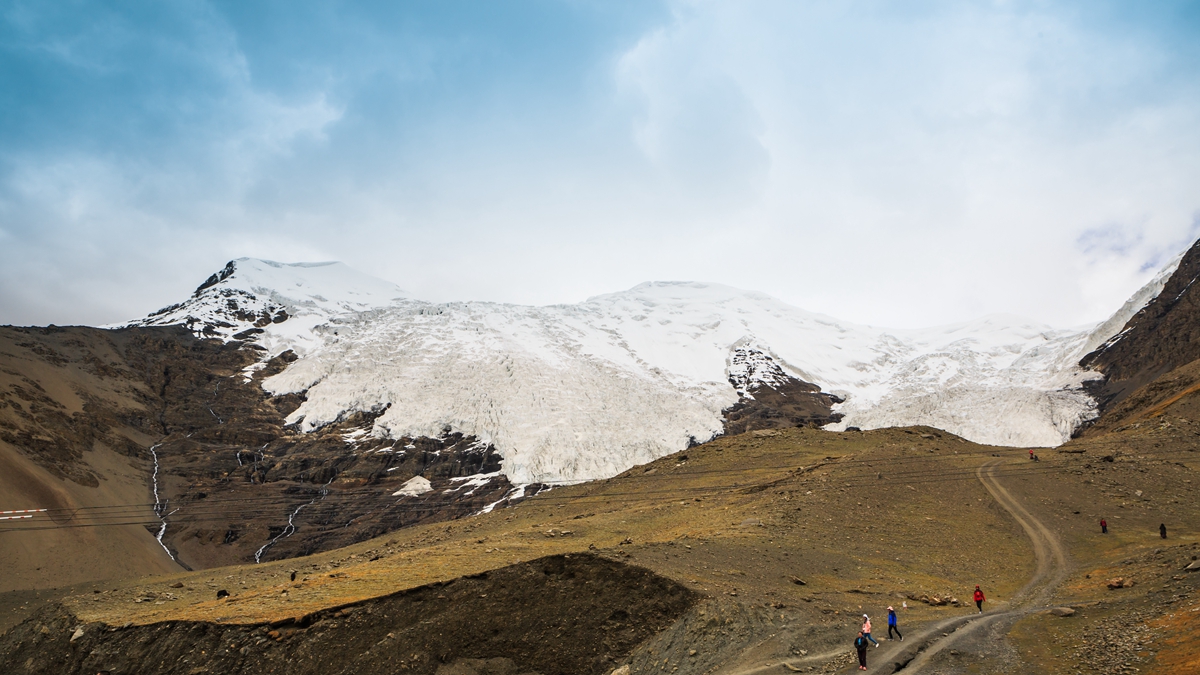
x: 979, y: 599
x: 1103, y: 526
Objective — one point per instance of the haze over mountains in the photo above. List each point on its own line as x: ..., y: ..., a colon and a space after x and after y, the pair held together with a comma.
x: 577, y: 392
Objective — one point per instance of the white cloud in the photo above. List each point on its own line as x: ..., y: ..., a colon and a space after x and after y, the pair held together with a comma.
x: 934, y: 165
x: 891, y: 164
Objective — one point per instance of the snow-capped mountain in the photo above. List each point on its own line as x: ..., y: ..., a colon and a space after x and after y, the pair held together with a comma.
x: 248, y: 296
x: 575, y: 392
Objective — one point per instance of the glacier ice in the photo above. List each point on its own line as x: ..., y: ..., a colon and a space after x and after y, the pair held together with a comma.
x: 584, y: 391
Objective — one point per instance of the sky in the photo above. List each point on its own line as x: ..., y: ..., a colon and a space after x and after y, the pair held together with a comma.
x: 897, y: 164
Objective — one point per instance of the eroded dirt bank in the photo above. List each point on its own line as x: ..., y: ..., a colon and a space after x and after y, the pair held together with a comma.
x: 568, y: 614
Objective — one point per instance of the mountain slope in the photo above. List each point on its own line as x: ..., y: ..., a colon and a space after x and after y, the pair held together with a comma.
x: 574, y: 392
x: 152, y: 449
x: 1163, y: 335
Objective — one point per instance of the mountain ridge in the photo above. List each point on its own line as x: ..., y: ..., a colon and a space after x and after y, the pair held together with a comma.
x: 581, y: 391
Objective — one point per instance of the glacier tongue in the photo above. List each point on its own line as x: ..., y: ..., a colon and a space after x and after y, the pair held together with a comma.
x: 584, y: 391
x: 516, y: 377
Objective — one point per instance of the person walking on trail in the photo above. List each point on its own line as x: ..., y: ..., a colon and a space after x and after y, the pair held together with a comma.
x: 1162, y: 530
x: 866, y: 630
x: 979, y: 599
x: 1103, y: 526
x: 860, y: 645
x: 892, y: 626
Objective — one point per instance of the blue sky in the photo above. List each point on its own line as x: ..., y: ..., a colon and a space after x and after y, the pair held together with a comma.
x: 892, y: 163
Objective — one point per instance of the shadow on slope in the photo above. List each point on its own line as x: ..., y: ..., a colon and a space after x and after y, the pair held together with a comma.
x: 563, y: 614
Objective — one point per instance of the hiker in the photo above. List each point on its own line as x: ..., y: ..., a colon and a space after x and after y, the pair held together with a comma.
x: 892, y: 624
x: 866, y: 629
x: 979, y: 599
x: 1103, y: 526
x: 860, y: 645
x: 1031, y: 454
x: 1162, y: 530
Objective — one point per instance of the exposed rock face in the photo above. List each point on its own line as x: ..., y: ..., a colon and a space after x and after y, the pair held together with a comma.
x: 298, y: 494
x: 771, y: 398
x: 1161, y: 337
x: 65, y: 390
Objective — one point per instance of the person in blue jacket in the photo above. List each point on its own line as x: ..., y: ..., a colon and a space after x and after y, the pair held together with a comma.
x: 892, y: 624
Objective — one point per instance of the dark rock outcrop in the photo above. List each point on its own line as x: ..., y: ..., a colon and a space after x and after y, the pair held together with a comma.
x: 770, y: 397
x: 560, y: 615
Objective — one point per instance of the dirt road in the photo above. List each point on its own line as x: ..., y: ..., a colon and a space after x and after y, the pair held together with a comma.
x: 917, y: 652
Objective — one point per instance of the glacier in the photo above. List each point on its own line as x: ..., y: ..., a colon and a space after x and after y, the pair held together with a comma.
x: 583, y: 391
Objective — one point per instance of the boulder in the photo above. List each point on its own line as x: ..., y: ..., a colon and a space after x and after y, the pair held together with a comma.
x: 1062, y: 611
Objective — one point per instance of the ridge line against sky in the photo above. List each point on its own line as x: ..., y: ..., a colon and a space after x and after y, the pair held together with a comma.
x: 897, y: 165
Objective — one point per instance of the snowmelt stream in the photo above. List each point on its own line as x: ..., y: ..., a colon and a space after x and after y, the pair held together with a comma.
x: 159, y: 505
x: 291, y: 527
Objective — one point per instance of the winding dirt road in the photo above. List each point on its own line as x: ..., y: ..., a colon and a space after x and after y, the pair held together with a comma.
x: 1051, y: 571
x: 917, y: 652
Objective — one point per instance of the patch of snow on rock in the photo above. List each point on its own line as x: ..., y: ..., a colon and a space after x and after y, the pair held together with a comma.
x: 414, y: 487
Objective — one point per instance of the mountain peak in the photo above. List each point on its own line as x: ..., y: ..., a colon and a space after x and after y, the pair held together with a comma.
x: 248, y: 296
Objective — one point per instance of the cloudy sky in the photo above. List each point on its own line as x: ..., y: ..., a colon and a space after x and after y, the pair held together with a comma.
x: 894, y: 163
